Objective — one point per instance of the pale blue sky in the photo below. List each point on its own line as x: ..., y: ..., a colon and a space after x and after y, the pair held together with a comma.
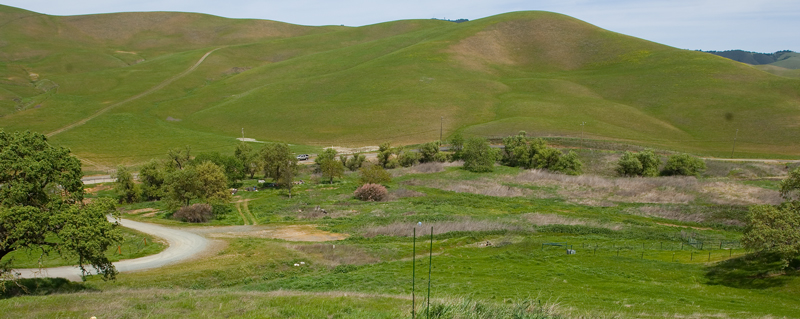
x: 753, y: 25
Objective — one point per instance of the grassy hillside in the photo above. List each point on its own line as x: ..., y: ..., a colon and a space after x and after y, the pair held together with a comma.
x: 540, y: 72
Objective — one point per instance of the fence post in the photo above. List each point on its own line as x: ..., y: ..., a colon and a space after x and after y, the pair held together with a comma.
x: 414, y: 276
x: 673, y: 257
x: 691, y: 256
x: 709, y: 256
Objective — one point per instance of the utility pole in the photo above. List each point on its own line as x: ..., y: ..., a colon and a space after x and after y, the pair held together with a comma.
x: 441, y: 128
x: 583, y: 124
x: 734, y: 142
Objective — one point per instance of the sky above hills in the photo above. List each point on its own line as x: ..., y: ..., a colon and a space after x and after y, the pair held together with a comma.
x: 752, y: 25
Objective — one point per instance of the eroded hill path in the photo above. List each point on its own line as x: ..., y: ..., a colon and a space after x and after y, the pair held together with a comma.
x: 135, y: 97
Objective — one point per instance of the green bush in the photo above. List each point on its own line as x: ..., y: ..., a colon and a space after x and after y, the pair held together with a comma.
x: 478, y: 155
x: 684, y: 164
x: 408, y: 158
x: 629, y: 165
x: 373, y: 174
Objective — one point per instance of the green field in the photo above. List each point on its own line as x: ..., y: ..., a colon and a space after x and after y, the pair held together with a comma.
x: 540, y: 72
x: 638, y: 244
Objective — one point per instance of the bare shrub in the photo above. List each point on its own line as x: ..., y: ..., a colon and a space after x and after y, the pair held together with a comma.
x: 339, y: 254
x: 405, y: 229
x: 371, y: 192
x: 196, y: 213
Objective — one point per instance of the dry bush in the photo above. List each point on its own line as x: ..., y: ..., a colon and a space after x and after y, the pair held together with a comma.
x: 371, y: 192
x: 488, y: 189
x: 426, y: 168
x: 554, y: 219
x: 338, y: 254
x: 196, y: 213
x: 405, y: 229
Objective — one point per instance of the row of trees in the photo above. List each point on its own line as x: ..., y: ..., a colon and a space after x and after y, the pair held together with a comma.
x: 646, y: 164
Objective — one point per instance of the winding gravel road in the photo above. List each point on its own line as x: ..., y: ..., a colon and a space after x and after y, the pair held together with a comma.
x: 182, y: 245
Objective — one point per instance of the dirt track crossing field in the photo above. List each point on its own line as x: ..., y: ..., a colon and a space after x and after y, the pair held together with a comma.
x: 135, y: 97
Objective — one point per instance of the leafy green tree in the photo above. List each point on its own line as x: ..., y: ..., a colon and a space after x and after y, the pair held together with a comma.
x: 234, y: 169
x: 408, y: 158
x: 385, y: 152
x: 152, y: 176
x: 650, y: 163
x: 373, y: 174
x: 212, y: 183
x: 684, y: 164
x: 328, y: 165
x: 428, y: 152
x: 456, y: 142
x: 285, y: 171
x: 179, y: 157
x: 569, y: 164
x: 275, y: 158
x: 790, y: 186
x: 629, y: 165
x: 478, y: 155
x: 205, y: 181
x: 516, y: 151
x: 774, y: 229
x: 354, y: 162
x: 181, y: 187
x: 127, y: 190
x: 248, y: 158
x: 41, y: 205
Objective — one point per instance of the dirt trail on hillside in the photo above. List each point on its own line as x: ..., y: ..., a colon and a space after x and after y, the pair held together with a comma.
x: 135, y: 97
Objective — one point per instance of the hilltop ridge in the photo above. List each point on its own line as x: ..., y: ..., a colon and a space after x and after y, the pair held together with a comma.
x: 397, y: 81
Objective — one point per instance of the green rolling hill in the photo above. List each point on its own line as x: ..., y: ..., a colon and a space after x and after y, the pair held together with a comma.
x: 136, y: 78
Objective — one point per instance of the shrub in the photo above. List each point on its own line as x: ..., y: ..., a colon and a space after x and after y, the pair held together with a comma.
x: 371, y: 192
x: 428, y: 152
x: 374, y: 174
x: 684, y: 164
x: 478, y: 155
x: 650, y: 163
x: 629, y: 165
x: 569, y: 164
x: 441, y: 157
x: 408, y: 158
x: 197, y: 213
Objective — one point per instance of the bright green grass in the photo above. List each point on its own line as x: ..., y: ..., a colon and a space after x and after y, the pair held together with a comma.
x: 132, y: 246
x: 640, y: 270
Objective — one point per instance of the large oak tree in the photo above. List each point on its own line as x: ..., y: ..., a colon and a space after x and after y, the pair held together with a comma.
x: 42, y: 208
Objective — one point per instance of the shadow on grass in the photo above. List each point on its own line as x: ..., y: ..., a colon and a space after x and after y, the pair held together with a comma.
x: 754, y: 271
x: 39, y: 287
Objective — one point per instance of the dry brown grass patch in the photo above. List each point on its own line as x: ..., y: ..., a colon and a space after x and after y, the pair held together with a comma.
x: 554, y: 219
x: 406, y: 229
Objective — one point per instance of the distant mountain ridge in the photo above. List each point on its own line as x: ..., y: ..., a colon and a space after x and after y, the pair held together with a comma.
x: 785, y: 59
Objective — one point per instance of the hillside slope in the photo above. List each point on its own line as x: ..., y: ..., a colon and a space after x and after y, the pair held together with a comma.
x: 540, y: 72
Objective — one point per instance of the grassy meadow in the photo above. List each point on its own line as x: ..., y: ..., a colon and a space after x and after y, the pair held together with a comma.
x: 645, y: 248
x: 397, y: 81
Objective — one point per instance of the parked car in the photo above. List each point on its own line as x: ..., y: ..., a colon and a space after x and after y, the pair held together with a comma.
x: 302, y: 157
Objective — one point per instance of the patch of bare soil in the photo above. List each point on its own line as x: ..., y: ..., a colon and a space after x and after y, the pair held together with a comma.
x: 291, y: 233
x: 96, y: 189
x: 347, y: 150
x: 140, y: 211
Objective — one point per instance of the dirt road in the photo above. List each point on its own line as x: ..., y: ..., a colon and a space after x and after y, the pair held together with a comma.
x: 135, y: 97
x: 183, y: 245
